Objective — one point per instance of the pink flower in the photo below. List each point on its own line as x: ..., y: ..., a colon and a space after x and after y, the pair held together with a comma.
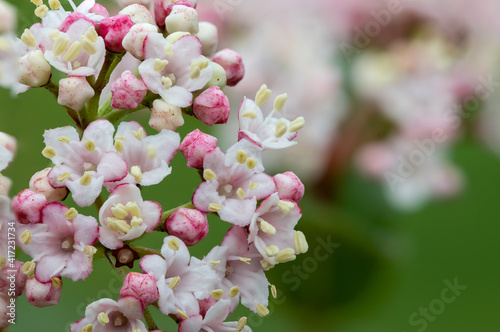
x: 232, y: 64
x: 133, y: 42
x: 60, y: 246
x: 125, y: 216
x: 140, y: 286
x: 27, y: 206
x: 232, y: 188
x: 190, y: 225
x: 289, y: 186
x: 195, y: 147
x: 174, y: 70
x: 213, y: 321
x: 127, y: 91
x: 39, y: 183
x: 83, y: 166
x: 43, y: 294
x: 212, y: 106
x: 148, y: 157
x: 106, y: 315
x: 272, y: 230
x: 113, y: 30
x: 181, y: 280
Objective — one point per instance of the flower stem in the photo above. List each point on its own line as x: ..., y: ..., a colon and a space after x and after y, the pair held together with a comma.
x: 149, y: 320
x: 144, y: 251
x: 98, y: 203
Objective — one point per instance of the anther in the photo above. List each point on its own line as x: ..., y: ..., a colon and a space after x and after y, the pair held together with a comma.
x: 272, y: 250
x: 249, y: 114
x: 134, y: 209
x: 214, y: 207
x: 274, y: 292
x: 88, y: 46
x: 209, y: 175
x: 280, y: 128
x: 241, y: 156
x: 63, y: 177
x: 159, y: 64
x: 245, y: 260
x: 61, y: 44
x: 73, y: 52
x: 234, y: 291
x: 26, y: 237
x: 174, y: 282
x: 300, y: 243
x: 71, y: 214
x: 54, y: 4
x: 37, y: 2
x: 119, y: 212
x: 241, y: 193
x: 28, y: 38
x: 91, y: 34
x: 280, y: 101
x: 182, y: 314
x: 90, y: 146
x: 262, y: 95
x: 103, y: 318
x: 285, y: 255
x: 86, y: 179
x: 297, y: 124
x: 63, y: 139
x: 253, y: 185
x: 119, y: 146
x: 151, y: 152
x: 139, y: 134
x: 217, y: 294
x: 88, y: 328
x: 241, y: 323
x: 174, y: 244
x: 41, y: 11
x: 252, y: 163
x: 167, y: 82
x: 28, y: 268
x: 56, y: 282
x: 262, y: 310
x: 89, y: 251
x: 285, y: 207
x: 136, y: 173
x: 267, y: 227
x: 49, y: 152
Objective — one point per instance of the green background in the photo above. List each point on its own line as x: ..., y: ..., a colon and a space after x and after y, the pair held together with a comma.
x: 387, y: 265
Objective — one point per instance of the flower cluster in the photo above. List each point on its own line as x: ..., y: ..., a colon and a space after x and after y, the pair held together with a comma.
x: 159, y: 58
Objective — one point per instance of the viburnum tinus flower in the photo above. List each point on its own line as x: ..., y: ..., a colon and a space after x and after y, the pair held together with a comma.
x: 62, y: 244
x: 84, y: 165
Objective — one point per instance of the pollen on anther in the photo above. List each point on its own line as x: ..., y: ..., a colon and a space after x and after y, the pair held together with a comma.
x: 217, y: 294
x: 89, y: 251
x: 54, y: 4
x: 61, y: 43
x: 28, y: 38
x: 249, y: 114
x: 245, y: 260
x: 119, y: 146
x: 71, y: 214
x: 159, y: 64
x: 174, y: 282
x: 214, y: 263
x: 139, y: 134
x: 73, y: 52
x: 280, y: 128
x: 182, y: 314
x: 241, y: 156
x: 241, y: 323
x: 41, y: 11
x: 262, y: 95
x: 88, y: 328
x: 241, y: 193
x: 103, y: 318
x: 297, y: 124
x: 253, y: 186
x: 209, y: 175
x: 136, y: 173
x: 300, y: 243
x: 252, y: 163
x: 214, y: 207
x: 285, y: 207
x: 63, y: 139
x: 91, y: 34
x: 26, y: 237
x: 88, y: 46
x: 262, y: 310
x: 86, y: 179
x: 234, y: 291
x: 174, y: 244
x: 274, y: 292
x: 63, y: 177
x: 280, y: 101
x: 37, y: 2
x: 28, y: 268
x: 56, y: 282
x: 49, y: 152
x: 90, y: 146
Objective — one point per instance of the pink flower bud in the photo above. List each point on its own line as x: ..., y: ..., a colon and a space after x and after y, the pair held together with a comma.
x: 142, y: 287
x: 27, y: 206
x: 165, y: 116
x: 138, y: 14
x: 209, y: 38
x: 74, y: 92
x: 182, y: 18
x: 34, y: 70
x: 289, y: 186
x: 232, y: 64
x: 127, y: 91
x: 41, y: 294
x: 5, y: 184
x: 195, y: 147
x: 189, y: 225
x: 39, y: 183
x: 12, y: 279
x: 99, y: 9
x: 163, y: 8
x: 113, y: 30
x: 212, y: 106
x: 134, y: 39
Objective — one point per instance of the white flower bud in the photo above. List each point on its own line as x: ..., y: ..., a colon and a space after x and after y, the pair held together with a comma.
x: 74, y: 92
x: 134, y: 39
x: 209, y: 38
x: 138, y: 14
x: 7, y: 17
x: 182, y: 18
x: 165, y: 116
x: 34, y: 70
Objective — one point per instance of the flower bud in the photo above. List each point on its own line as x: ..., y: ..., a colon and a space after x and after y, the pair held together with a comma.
x: 218, y: 77
x: 7, y: 17
x: 142, y: 287
x: 289, y: 186
x: 27, y: 206
x: 74, y: 92
x: 113, y: 30
x: 163, y: 8
x: 99, y: 9
x: 165, y: 116
x: 5, y: 184
x: 34, y: 70
x: 195, y: 147
x: 209, y: 38
x: 212, y: 106
x: 40, y: 184
x: 134, y: 39
x: 138, y: 14
x: 232, y: 64
x: 127, y: 91
x: 182, y: 18
x: 15, y: 275
x: 189, y: 225
x: 41, y: 294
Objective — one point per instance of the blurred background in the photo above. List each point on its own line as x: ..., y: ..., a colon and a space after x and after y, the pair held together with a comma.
x: 400, y: 158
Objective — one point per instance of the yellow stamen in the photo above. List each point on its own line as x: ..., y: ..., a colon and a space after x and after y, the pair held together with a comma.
x: 119, y: 212
x: 41, y: 11
x: 262, y: 95
x: 54, y: 4
x: 28, y: 268
x: 280, y: 129
x: 134, y: 209
x: 267, y: 227
x: 71, y: 214
x: 139, y: 134
x: 252, y: 163
x: 249, y: 114
x: 245, y: 260
x: 174, y: 282
x: 73, y: 52
x: 274, y: 292
x: 167, y: 82
x: 217, y: 294
x: 89, y: 251
x: 151, y: 152
x: 88, y: 46
x: 253, y: 186
x: 136, y: 222
x: 241, y: 156
x: 182, y: 314
x: 28, y: 38
x: 266, y: 265
x: 280, y: 101
x: 90, y: 146
x: 91, y: 34
x: 214, y: 263
x: 61, y: 44
x: 285, y: 207
x: 285, y: 255
x: 300, y: 243
x: 119, y: 146
x: 86, y: 179
x: 136, y: 173
x: 88, y: 328
x: 26, y: 237
x: 54, y: 34
x: 63, y: 177
x: 209, y: 175
x: 167, y: 50
x: 49, y: 152
x: 174, y: 244
x: 241, y: 193
x: 159, y: 64
x: 56, y: 282
x: 297, y: 124
x: 234, y: 291
x: 272, y: 250
x: 37, y: 2
x: 262, y: 310
x: 241, y: 323
x: 103, y: 318
x: 118, y: 225
x: 214, y: 207
x: 63, y: 139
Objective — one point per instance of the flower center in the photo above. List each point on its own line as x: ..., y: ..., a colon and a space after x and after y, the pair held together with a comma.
x: 67, y: 244
x: 226, y: 190
x: 118, y: 319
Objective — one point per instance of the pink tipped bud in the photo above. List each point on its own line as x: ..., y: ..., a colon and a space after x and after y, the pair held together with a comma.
x: 12, y: 279
x: 127, y: 91
x: 39, y: 183
x: 41, y: 294
x: 212, y: 106
x: 189, y: 225
x: 5, y: 184
x: 134, y: 39
x: 165, y: 116
x: 209, y: 38
x: 163, y: 8
x: 195, y: 147
x: 182, y: 18
x: 113, y: 30
x: 138, y: 14
x: 99, y: 9
x: 232, y: 64
x: 74, y: 92
x: 34, y: 70
x: 142, y: 287
x: 27, y: 206
x: 289, y: 186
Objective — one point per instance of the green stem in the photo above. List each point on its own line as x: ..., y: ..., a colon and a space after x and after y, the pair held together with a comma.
x: 99, y: 201
x: 144, y: 251
x: 116, y: 115
x: 149, y: 320
x: 105, y: 108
